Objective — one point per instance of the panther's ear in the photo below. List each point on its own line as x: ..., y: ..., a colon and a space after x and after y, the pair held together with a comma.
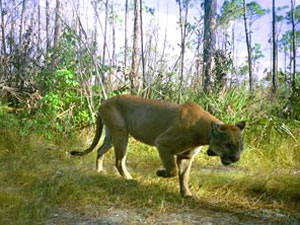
x: 241, y: 125
x: 215, y: 128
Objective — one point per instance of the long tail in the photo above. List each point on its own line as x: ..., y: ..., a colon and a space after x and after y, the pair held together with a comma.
x: 99, y: 124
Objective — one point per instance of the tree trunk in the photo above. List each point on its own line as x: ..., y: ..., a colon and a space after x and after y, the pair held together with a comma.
x: 293, y: 44
x: 209, y: 42
x: 57, y: 31
x: 3, y: 29
x: 165, y: 41
x: 198, y: 77
x: 113, y: 57
x: 248, y: 47
x: 95, y: 31
x: 285, y: 70
x: 135, y: 54
x: 12, y: 27
x: 22, y: 24
x: 233, y: 50
x: 183, y: 22
x: 31, y: 29
x: 126, y: 41
x: 105, y: 33
x: 47, y: 25
x: 104, y: 46
x: 142, y: 46
x: 275, y: 51
x: 39, y: 33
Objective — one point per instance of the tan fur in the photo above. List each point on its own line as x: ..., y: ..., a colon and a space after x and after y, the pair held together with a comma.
x: 176, y: 130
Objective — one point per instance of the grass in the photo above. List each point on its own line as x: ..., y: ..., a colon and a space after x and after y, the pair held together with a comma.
x: 36, y: 177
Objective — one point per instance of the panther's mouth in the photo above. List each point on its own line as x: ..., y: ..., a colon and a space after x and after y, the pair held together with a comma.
x: 225, y: 161
x: 211, y: 152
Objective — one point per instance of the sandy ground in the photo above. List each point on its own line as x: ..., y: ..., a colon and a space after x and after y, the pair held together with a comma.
x: 119, y: 216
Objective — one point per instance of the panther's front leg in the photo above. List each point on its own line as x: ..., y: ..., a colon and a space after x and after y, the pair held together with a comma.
x: 169, y: 163
x: 184, y: 163
x: 171, y: 144
x: 165, y: 145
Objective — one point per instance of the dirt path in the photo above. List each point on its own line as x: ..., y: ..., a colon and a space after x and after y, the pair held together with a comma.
x: 119, y: 216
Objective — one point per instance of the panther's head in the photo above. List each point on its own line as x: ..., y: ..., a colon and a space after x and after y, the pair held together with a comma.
x: 226, y: 141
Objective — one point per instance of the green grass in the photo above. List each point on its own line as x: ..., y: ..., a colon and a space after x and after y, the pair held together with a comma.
x: 37, y: 176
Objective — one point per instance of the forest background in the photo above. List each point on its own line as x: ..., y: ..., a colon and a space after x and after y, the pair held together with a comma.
x: 236, y: 58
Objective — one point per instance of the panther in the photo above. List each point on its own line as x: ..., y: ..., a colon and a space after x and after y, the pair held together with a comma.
x: 178, y: 131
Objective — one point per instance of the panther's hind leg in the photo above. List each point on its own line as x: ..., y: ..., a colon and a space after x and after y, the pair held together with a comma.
x: 105, y: 147
x: 117, y: 126
x: 120, y: 141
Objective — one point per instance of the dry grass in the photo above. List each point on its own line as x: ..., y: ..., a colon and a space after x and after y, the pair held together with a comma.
x: 37, y: 176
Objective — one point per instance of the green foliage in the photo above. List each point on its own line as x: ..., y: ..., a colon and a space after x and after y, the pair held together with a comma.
x: 294, y: 98
x: 230, y: 106
x: 256, y: 52
x: 231, y: 10
x: 286, y: 40
x: 297, y: 15
x: 63, y: 102
x: 64, y: 105
x: 255, y: 10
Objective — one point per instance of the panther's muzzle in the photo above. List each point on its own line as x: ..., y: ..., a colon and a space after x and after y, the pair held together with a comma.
x: 225, y: 162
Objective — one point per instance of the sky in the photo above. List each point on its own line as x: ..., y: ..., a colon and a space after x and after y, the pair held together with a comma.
x: 261, y: 34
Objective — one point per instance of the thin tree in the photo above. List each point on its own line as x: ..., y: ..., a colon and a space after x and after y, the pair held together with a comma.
x: 113, y: 56
x: 105, y: 33
x: 95, y: 31
x: 209, y: 42
x: 135, y: 54
x: 31, y: 28
x: 248, y: 46
x: 293, y: 43
x: 105, y: 46
x: 22, y: 24
x: 12, y: 26
x: 275, y: 48
x: 47, y: 26
x: 125, y: 33
x: 39, y: 31
x: 183, y: 24
x: 57, y: 31
x: 165, y: 40
x: 3, y: 29
x: 142, y: 46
